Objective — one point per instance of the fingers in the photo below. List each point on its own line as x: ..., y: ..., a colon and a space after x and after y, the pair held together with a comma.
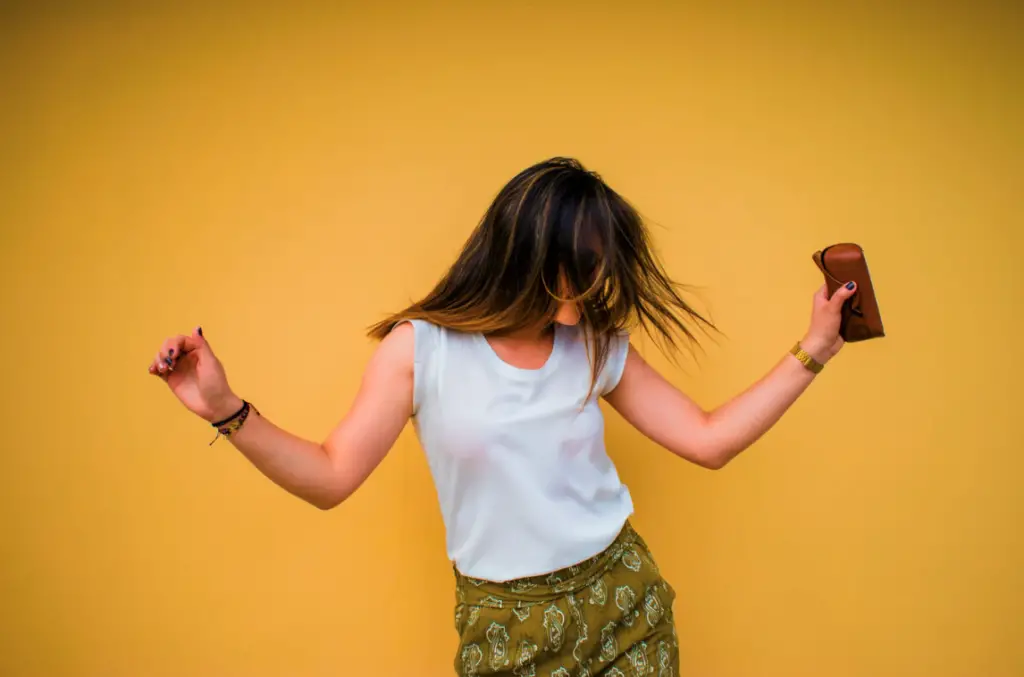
x: 196, y: 341
x: 843, y: 293
x: 165, y: 358
x: 174, y: 350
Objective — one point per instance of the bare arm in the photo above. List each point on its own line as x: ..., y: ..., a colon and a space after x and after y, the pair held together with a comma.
x: 321, y: 474
x: 713, y: 438
x: 708, y: 438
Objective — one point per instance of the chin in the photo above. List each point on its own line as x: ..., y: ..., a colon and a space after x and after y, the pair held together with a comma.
x: 567, y: 320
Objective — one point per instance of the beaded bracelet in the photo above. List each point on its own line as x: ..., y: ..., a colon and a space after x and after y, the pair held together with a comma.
x: 233, y: 423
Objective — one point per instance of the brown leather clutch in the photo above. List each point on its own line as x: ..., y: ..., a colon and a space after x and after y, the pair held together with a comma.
x: 841, y: 263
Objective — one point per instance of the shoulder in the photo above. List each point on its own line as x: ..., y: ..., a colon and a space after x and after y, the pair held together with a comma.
x: 397, y: 350
x: 417, y: 345
x: 615, y: 354
x: 401, y: 338
x: 618, y: 341
x: 417, y: 338
x: 584, y: 346
x: 618, y: 351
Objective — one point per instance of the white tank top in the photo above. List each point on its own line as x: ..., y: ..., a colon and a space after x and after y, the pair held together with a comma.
x: 518, y: 458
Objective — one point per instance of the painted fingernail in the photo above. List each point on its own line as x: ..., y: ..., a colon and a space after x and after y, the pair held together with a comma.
x: 850, y: 285
x: 171, y: 352
x: 199, y: 330
x: 169, y: 361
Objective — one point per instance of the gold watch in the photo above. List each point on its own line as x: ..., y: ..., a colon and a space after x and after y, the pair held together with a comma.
x: 805, y: 359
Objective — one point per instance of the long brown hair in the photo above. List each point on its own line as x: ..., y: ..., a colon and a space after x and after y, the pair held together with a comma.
x: 555, y: 219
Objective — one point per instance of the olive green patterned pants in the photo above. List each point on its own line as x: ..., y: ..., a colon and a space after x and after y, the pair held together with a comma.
x: 609, y: 616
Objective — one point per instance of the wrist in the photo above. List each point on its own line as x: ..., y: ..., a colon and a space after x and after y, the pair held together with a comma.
x: 816, y: 348
x: 809, y: 361
x: 224, y: 407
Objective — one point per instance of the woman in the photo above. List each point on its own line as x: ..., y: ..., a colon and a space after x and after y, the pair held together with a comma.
x: 500, y: 368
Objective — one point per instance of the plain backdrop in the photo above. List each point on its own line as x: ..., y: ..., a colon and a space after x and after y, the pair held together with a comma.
x: 286, y: 174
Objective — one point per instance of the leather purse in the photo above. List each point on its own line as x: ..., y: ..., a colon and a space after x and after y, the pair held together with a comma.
x: 841, y: 263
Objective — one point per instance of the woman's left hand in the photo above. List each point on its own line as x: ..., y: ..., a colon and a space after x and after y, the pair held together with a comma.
x: 822, y: 340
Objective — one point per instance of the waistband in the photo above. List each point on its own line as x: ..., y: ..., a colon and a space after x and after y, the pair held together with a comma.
x: 543, y: 588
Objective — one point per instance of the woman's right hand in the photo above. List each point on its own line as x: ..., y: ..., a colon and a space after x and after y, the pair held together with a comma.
x: 196, y: 376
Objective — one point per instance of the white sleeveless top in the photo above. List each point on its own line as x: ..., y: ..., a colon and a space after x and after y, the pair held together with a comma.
x: 524, y: 482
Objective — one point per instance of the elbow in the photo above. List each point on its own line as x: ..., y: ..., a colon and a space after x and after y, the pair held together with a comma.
x: 712, y: 450
x: 326, y: 500
x: 714, y: 461
x: 708, y: 458
x: 329, y: 493
x: 324, y: 504
x: 711, y: 456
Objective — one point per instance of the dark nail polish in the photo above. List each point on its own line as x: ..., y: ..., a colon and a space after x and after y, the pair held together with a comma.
x: 200, y: 330
x: 850, y: 285
x: 168, y: 360
x: 171, y: 352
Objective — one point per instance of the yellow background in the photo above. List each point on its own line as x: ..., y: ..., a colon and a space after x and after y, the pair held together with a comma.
x: 286, y: 176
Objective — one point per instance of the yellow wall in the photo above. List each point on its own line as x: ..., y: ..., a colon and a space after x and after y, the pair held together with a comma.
x: 286, y: 176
